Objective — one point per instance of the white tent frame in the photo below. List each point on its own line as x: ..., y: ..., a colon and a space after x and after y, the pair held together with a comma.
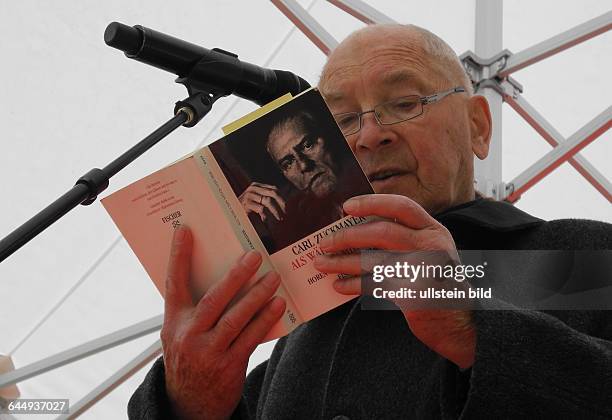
x: 491, y: 77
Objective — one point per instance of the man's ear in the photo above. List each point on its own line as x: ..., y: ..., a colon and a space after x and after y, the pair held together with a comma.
x: 480, y: 125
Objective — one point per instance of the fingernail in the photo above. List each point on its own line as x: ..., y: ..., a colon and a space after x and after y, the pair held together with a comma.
x: 179, y: 233
x: 277, y: 304
x: 350, y: 204
x: 251, y: 259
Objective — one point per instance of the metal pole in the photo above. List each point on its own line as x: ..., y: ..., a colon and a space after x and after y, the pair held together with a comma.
x: 307, y: 24
x: 554, y: 138
x: 560, y: 154
x: 362, y: 11
x: 84, y: 350
x: 114, y: 381
x: 556, y: 44
x: 488, y: 42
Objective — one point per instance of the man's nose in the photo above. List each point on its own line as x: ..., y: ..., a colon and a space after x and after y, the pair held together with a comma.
x: 372, y: 135
x: 305, y: 164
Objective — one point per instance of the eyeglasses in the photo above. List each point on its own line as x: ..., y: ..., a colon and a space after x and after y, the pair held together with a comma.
x: 392, y: 112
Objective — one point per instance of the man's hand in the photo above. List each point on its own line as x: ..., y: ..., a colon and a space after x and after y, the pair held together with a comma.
x: 258, y: 197
x: 207, y: 345
x: 405, y: 226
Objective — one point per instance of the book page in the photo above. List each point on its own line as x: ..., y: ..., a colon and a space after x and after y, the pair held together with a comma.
x: 252, y: 116
x: 147, y: 211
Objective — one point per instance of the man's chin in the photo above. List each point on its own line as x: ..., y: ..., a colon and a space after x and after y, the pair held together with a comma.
x: 322, y: 193
x: 323, y: 188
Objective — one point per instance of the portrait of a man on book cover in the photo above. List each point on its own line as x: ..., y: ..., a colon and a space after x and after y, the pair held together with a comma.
x: 293, y: 178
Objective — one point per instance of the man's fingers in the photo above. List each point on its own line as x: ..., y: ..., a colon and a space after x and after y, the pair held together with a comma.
x: 251, y: 206
x: 278, y: 200
x: 260, y: 210
x: 355, y: 264
x: 395, y: 207
x: 177, y: 294
x: 343, y: 264
x: 214, y: 302
x: 258, y: 327
x: 232, y: 322
x: 258, y: 192
x: 267, y: 186
x: 273, y: 207
x: 346, y: 264
x: 378, y: 234
x: 348, y: 286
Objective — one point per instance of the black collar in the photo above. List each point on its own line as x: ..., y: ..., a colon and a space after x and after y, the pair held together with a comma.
x: 489, y: 214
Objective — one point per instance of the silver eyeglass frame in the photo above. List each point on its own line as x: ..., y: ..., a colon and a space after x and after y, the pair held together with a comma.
x: 424, y: 100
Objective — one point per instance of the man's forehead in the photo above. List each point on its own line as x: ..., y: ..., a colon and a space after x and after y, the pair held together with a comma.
x: 333, y: 90
x: 398, y: 60
x: 282, y: 142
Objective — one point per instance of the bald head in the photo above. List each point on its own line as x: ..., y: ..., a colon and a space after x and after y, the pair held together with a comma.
x: 412, y: 41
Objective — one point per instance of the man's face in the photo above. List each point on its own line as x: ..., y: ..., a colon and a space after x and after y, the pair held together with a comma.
x: 429, y: 158
x: 303, y: 159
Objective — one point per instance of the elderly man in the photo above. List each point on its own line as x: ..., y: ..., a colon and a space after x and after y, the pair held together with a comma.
x: 354, y: 363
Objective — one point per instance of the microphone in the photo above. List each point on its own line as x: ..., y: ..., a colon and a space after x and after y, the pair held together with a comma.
x: 216, y: 71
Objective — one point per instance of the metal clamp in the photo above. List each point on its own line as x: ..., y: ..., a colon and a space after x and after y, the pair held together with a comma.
x: 483, y: 72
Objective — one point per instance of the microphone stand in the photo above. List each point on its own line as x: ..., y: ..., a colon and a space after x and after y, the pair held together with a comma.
x: 188, y: 112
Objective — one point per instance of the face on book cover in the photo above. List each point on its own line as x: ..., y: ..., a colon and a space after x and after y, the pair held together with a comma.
x: 303, y: 156
x: 429, y: 158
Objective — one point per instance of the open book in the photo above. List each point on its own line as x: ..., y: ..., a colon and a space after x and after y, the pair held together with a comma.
x: 275, y: 185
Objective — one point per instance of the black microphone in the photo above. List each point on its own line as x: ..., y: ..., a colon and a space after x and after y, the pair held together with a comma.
x: 215, y: 71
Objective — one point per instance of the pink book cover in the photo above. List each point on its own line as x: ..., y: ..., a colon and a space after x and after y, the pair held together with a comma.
x: 276, y: 185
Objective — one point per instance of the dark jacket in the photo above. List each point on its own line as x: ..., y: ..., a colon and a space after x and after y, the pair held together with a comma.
x: 364, y: 364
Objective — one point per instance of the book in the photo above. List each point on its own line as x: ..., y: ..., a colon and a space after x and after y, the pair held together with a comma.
x: 275, y: 184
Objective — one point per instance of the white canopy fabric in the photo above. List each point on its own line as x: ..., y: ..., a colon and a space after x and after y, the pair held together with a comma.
x: 69, y: 103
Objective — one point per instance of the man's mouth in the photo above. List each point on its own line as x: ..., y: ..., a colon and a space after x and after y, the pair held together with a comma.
x: 385, y: 174
x: 313, y: 179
